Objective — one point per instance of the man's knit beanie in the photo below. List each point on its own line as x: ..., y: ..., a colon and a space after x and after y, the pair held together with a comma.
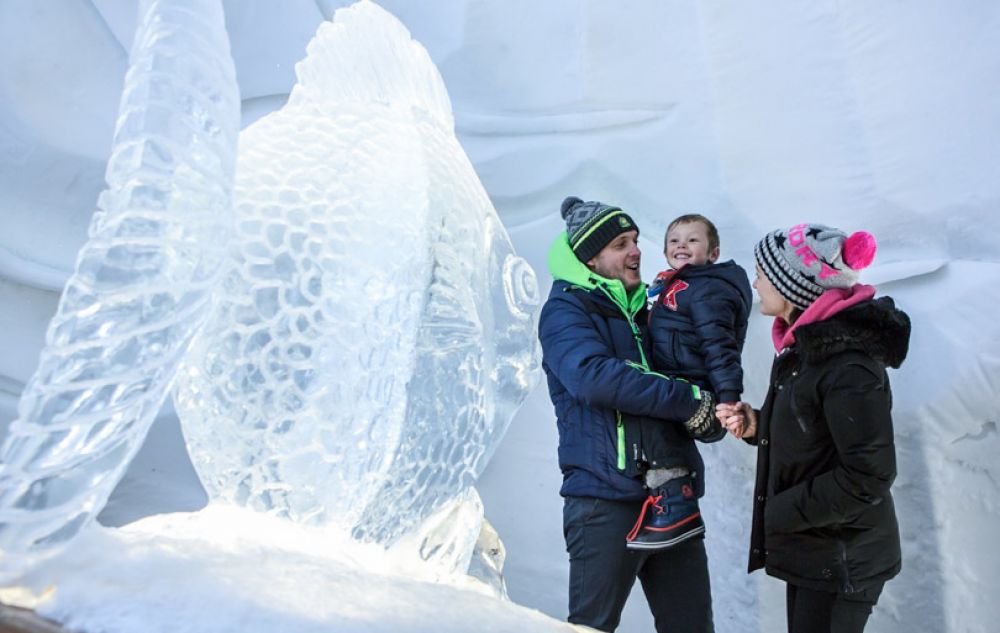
x: 809, y: 259
x: 591, y: 225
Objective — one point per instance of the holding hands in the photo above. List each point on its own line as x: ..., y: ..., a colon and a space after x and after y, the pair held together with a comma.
x: 739, y: 418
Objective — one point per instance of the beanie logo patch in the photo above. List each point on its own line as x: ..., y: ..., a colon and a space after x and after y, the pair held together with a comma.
x: 623, y: 222
x: 797, y: 239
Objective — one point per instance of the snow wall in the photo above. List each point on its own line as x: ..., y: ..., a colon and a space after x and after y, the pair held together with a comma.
x: 875, y: 116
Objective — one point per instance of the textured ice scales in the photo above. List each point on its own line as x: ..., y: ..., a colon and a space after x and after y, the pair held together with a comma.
x: 375, y: 332
x: 474, y: 356
x: 141, y: 287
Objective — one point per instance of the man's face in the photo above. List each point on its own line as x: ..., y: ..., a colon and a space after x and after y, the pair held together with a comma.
x: 688, y: 244
x: 620, y: 260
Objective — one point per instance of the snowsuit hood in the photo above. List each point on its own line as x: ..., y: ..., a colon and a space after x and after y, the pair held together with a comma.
x: 728, y: 272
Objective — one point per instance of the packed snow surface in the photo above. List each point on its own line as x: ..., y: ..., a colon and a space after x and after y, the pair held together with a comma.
x: 233, y: 569
x: 860, y: 115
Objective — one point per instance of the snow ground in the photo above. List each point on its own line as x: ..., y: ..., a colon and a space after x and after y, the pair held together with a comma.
x: 228, y: 569
x: 873, y: 116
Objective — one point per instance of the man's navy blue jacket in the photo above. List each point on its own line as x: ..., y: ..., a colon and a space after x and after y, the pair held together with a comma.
x: 598, y: 378
x: 698, y: 324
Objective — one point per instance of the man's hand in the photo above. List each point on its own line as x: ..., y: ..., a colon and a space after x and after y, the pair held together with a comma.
x: 703, y: 425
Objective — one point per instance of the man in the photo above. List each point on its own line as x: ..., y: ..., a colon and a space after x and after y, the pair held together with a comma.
x: 595, y: 346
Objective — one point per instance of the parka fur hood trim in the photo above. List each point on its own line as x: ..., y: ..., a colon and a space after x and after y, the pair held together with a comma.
x: 875, y: 327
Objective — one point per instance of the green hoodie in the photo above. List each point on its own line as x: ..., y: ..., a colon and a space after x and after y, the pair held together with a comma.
x: 564, y: 265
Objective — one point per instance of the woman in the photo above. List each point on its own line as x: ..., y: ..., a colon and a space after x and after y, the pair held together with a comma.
x: 823, y: 516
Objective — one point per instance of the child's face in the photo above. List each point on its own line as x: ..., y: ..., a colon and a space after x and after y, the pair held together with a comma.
x: 688, y: 244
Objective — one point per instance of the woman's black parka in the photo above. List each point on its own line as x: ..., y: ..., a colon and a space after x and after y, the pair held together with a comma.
x: 823, y: 514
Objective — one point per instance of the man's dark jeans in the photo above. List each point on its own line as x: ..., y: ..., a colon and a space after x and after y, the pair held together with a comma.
x: 602, y: 571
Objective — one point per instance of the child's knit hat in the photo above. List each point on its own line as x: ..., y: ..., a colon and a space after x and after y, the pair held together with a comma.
x: 808, y: 259
x: 591, y: 225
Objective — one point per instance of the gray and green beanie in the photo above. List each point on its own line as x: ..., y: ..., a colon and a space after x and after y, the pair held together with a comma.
x: 591, y: 225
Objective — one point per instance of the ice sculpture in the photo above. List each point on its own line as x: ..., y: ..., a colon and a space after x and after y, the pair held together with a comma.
x: 374, y: 333
x: 141, y: 287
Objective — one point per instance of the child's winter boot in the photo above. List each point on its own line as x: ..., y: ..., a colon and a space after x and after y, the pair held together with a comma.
x: 669, y: 516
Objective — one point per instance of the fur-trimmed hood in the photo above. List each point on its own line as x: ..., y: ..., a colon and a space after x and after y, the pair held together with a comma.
x: 875, y: 327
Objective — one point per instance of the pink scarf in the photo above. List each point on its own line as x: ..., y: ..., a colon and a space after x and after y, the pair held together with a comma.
x: 829, y: 303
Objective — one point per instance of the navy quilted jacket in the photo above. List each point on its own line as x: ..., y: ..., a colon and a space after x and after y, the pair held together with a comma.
x: 698, y: 324
x: 598, y: 378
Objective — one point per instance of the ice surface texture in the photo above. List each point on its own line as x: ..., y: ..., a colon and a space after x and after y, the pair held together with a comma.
x: 375, y: 332
x: 141, y: 287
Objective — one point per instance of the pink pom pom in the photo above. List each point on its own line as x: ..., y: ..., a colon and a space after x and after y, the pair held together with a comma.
x: 859, y: 250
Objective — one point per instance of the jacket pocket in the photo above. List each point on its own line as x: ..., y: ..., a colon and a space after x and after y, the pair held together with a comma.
x: 805, y: 556
x: 629, y: 457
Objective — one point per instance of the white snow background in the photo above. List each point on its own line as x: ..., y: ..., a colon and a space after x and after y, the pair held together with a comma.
x: 878, y: 116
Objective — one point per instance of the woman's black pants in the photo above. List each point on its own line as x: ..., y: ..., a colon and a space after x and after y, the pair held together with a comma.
x: 811, y: 611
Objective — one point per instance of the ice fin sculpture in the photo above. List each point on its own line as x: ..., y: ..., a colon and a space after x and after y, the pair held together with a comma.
x: 447, y: 538
x: 141, y: 288
x: 376, y: 331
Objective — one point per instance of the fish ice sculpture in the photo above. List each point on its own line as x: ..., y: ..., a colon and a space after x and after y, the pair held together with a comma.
x: 375, y: 330
x: 141, y: 288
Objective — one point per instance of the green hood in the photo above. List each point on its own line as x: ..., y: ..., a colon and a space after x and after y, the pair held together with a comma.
x: 564, y: 265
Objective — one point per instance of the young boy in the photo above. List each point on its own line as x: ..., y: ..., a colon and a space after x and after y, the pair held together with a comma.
x: 697, y: 324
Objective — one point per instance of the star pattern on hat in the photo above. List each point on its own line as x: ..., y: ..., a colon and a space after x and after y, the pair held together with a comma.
x: 780, y: 241
x: 830, y: 264
x: 813, y: 232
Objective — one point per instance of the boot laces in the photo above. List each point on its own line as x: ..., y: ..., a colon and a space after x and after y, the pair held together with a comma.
x: 651, y: 502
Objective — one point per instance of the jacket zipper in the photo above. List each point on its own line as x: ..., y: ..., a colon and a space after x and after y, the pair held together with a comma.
x: 621, y: 439
x: 637, y: 337
x: 848, y: 586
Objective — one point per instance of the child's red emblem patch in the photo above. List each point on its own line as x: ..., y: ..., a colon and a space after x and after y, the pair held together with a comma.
x: 669, y: 298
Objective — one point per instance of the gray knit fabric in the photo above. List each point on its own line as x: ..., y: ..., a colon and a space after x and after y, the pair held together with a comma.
x: 591, y: 225
x: 656, y: 477
x: 805, y: 261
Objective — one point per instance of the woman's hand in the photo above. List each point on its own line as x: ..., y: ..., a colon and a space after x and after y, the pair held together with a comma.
x: 750, y: 421
x: 738, y: 418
